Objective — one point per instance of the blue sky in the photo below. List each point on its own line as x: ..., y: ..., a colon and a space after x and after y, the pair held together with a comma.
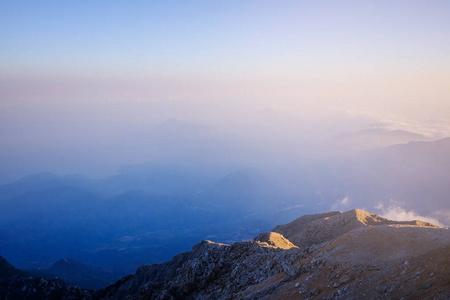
x: 98, y: 75
x: 175, y: 37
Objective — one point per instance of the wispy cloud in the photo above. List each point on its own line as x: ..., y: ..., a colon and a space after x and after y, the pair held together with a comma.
x: 395, y: 212
x: 429, y: 127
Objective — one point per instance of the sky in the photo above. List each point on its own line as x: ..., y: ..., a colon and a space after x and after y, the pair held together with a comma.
x: 87, y: 86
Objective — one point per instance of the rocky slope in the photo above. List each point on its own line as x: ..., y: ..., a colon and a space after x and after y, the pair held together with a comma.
x: 351, y: 255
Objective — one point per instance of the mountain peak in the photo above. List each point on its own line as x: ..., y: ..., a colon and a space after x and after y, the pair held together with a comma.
x: 365, y: 217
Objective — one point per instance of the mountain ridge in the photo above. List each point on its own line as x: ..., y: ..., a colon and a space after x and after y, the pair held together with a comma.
x: 369, y: 257
x: 265, y: 268
x: 315, y: 229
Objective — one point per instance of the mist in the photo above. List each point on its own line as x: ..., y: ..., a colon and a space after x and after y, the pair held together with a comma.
x: 135, y: 130
x: 304, y: 146
x: 93, y: 128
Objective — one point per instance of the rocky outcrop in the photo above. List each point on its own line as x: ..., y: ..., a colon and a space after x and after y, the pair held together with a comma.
x: 275, y: 240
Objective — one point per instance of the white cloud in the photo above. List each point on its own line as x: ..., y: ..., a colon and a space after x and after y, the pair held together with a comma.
x: 395, y: 212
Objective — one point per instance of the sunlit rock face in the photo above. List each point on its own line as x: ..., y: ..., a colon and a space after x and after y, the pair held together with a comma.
x: 275, y: 240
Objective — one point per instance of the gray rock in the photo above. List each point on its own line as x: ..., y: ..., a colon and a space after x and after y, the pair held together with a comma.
x: 344, y: 279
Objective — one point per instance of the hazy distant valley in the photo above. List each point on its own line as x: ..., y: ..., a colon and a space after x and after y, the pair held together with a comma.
x: 148, y: 213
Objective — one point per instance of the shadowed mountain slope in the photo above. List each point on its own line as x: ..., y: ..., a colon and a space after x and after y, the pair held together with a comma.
x: 8, y: 270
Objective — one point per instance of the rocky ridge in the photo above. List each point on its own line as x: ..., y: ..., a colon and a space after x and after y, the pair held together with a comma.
x: 315, y: 229
x: 351, y: 255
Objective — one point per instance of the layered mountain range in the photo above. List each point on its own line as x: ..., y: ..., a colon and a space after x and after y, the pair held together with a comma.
x: 334, y: 255
x: 150, y: 212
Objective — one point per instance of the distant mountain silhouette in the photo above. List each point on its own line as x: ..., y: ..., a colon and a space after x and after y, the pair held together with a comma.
x: 415, y: 174
x: 377, y: 138
x: 78, y: 274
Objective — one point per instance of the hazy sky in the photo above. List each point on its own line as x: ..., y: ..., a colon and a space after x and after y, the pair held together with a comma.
x: 84, y: 84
